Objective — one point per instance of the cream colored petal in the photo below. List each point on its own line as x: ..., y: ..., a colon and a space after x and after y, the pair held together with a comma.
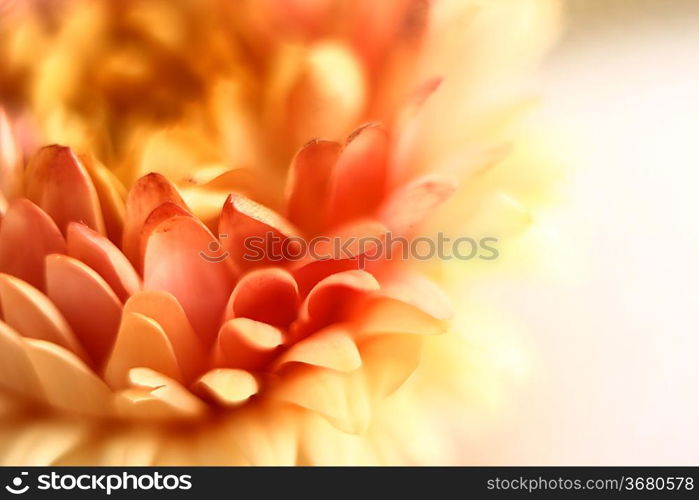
x: 343, y: 398
x: 227, y: 386
x: 154, y: 395
x: 115, y: 446
x: 17, y: 373
x: 33, y: 315
x: 388, y: 361
x: 331, y: 348
x: 141, y: 342
x: 418, y: 291
x: 386, y: 315
x: 43, y: 442
x: 68, y: 383
x: 266, y: 434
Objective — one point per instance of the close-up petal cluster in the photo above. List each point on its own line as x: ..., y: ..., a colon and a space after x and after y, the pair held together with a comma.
x: 146, y: 144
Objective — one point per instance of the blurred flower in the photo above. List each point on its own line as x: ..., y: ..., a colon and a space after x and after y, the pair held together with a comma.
x: 131, y: 313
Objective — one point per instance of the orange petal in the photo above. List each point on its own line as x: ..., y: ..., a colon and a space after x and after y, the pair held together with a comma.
x: 248, y: 344
x: 57, y: 181
x: 141, y: 342
x: 228, y: 387
x: 175, y: 263
x: 330, y: 298
x: 86, y: 301
x: 33, y: 315
x: 309, y: 177
x: 309, y: 275
x: 422, y: 196
x: 68, y: 383
x: 358, y: 183
x: 27, y: 236
x: 17, y: 372
x: 168, y: 313
x: 268, y: 295
x: 101, y: 255
x: 331, y: 348
x: 149, y: 192
x: 255, y: 235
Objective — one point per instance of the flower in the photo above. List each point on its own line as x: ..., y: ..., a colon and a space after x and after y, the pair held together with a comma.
x: 135, y: 329
x: 144, y: 327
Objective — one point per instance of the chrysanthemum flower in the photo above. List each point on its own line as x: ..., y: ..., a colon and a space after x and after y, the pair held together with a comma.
x: 154, y: 325
x: 135, y: 329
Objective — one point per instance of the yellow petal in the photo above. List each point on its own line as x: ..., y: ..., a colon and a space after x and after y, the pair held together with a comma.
x: 68, y: 383
x: 155, y: 395
x: 141, y: 342
x: 343, y: 398
x: 17, y: 373
x: 331, y: 348
x: 168, y: 313
x: 227, y: 386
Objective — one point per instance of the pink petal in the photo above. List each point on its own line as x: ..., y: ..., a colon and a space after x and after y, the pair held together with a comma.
x: 27, y: 236
x: 358, y: 183
x: 309, y: 177
x: 253, y: 234
x: 88, y: 303
x: 268, y: 295
x: 149, y: 192
x: 57, y: 181
x: 175, y: 262
x: 101, y: 255
x: 422, y: 196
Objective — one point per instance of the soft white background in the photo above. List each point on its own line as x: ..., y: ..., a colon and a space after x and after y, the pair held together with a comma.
x: 615, y: 342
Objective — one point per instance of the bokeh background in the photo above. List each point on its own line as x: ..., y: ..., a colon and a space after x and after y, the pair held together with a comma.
x: 609, y: 324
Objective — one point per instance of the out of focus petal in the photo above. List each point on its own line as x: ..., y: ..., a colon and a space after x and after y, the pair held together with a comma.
x: 27, y: 236
x: 55, y: 171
